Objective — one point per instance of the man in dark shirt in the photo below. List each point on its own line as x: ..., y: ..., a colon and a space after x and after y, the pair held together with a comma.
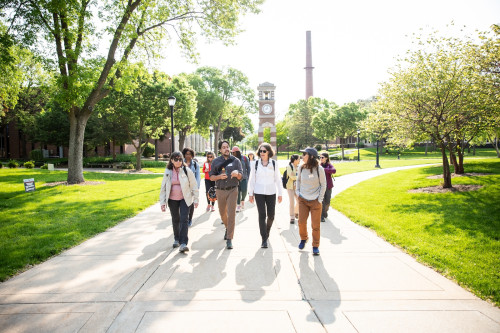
x: 227, y: 172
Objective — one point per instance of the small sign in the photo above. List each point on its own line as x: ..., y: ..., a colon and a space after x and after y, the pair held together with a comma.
x: 50, y: 167
x: 29, y: 185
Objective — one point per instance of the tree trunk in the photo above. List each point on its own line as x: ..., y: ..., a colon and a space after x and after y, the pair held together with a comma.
x: 426, y: 144
x: 156, y: 149
x: 138, y: 154
x: 182, y: 139
x: 77, y: 122
x: 496, y: 147
x: 342, y: 146
x: 446, y: 168
x: 460, y: 153
x: 114, y: 150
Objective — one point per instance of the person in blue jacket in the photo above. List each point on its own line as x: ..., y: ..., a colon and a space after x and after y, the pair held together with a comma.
x: 191, y: 163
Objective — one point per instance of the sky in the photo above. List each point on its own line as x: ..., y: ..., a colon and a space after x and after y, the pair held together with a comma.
x: 354, y: 43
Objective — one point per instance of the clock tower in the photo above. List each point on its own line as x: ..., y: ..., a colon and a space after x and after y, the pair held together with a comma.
x: 267, y: 113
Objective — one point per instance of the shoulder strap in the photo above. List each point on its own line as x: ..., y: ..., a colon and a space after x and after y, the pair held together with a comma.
x: 257, y: 164
x: 185, y: 171
x: 274, y: 165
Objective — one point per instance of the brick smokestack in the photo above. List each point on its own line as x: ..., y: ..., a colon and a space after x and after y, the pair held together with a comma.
x: 309, y: 68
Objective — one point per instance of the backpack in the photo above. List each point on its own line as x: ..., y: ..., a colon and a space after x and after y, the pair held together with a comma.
x: 257, y: 164
x: 284, y: 179
x: 211, y: 194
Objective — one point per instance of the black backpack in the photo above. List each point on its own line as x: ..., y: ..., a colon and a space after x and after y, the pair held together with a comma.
x: 284, y: 179
x: 257, y: 164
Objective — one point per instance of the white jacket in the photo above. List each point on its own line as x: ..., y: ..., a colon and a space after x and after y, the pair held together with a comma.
x: 189, y: 186
x: 266, y: 181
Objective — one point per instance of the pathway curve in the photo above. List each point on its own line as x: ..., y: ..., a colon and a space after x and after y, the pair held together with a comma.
x: 129, y: 279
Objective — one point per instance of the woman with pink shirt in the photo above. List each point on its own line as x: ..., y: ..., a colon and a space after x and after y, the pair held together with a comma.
x: 179, y: 190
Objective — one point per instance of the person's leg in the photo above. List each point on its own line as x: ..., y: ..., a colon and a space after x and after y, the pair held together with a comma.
x: 207, y: 187
x: 260, y: 201
x: 291, y: 197
x: 303, y: 214
x: 239, y: 195
x: 315, y: 221
x: 231, y: 197
x: 212, y: 184
x: 184, y: 213
x: 244, y: 189
x: 190, y: 215
x: 271, y: 206
x: 326, y: 203
x: 221, y: 199
x: 173, y: 206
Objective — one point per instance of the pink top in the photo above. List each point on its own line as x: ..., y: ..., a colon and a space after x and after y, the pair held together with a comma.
x: 175, y: 190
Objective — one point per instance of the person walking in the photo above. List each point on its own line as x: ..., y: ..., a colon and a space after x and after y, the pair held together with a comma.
x: 207, y: 166
x: 242, y: 188
x: 226, y: 172
x: 311, y: 187
x: 291, y: 173
x: 251, y: 159
x: 329, y: 172
x: 179, y: 191
x: 191, y: 163
x: 265, y: 181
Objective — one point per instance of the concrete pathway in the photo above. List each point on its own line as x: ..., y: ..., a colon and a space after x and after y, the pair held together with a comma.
x: 129, y: 279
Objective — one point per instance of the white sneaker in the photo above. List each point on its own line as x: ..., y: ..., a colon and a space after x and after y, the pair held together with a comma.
x: 242, y: 205
x: 208, y: 208
x: 238, y: 209
x: 213, y: 209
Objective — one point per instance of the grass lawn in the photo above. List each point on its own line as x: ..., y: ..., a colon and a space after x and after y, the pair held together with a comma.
x: 458, y: 234
x: 37, y: 225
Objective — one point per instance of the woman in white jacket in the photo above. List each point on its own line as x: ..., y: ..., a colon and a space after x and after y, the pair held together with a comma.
x: 264, y: 183
x: 179, y: 190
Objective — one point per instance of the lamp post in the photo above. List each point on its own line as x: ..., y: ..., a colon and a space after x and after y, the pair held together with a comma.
x: 171, y: 102
x: 288, y: 147
x: 358, y: 144
x: 377, y: 165
x: 211, y: 128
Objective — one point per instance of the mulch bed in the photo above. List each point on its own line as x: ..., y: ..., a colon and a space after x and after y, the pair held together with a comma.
x: 66, y: 183
x: 460, y: 175
x: 439, y: 189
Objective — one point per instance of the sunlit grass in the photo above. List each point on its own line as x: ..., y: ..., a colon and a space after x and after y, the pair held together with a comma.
x: 456, y: 233
x: 35, y: 226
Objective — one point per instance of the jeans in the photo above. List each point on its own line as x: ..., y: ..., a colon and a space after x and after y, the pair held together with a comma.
x: 265, y: 203
x: 179, y: 211
x: 208, y: 185
x: 242, y: 190
x: 326, y: 203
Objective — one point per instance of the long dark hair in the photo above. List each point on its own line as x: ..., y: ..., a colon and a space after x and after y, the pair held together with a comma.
x: 312, y: 162
x: 268, y: 148
x: 175, y: 154
x: 293, y: 158
x: 327, y: 157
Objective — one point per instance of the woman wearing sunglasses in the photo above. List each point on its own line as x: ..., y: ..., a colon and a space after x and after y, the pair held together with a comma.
x: 311, y: 187
x: 329, y: 171
x: 179, y: 190
x: 264, y: 182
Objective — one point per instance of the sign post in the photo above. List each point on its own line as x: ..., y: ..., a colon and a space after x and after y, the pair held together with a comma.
x: 29, y: 185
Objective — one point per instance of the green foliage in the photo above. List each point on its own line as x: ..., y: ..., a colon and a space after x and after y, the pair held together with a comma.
x: 36, y: 155
x: 456, y: 233
x: 149, y: 150
x: 29, y: 164
x: 44, y: 167
x: 154, y: 164
x: 300, y: 117
x: 12, y: 164
x: 1, y: 165
x: 38, y: 225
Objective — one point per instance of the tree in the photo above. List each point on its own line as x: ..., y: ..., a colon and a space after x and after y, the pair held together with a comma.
x: 346, y: 120
x: 324, y: 124
x: 300, y: 116
x: 66, y: 34
x: 185, y: 107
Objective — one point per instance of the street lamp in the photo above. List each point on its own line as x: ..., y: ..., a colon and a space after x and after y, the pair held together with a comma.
x: 211, y: 128
x: 288, y: 147
x: 377, y: 165
x: 358, y: 144
x: 171, y: 102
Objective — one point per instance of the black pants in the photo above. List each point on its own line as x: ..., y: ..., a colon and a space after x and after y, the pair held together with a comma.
x: 208, y: 185
x: 326, y: 203
x: 265, y: 204
x: 179, y: 211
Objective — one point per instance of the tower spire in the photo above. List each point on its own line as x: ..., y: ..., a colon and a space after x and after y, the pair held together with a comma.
x: 309, y: 68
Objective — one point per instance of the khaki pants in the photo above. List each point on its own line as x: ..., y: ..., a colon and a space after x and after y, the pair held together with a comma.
x: 227, y: 208
x: 313, y: 206
x: 294, y: 203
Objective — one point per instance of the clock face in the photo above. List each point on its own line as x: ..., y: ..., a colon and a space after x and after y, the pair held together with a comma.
x: 267, y: 108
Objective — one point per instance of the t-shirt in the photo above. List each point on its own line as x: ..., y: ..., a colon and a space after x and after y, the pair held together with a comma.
x: 176, y: 190
x: 235, y: 164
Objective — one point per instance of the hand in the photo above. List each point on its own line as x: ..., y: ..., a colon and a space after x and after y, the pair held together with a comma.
x: 222, y: 176
x: 234, y: 174
x: 250, y: 198
x: 163, y: 208
x: 196, y: 205
x: 280, y: 198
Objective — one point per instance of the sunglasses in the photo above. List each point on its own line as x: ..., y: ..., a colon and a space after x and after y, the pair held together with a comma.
x: 177, y: 159
x: 210, y: 157
x: 322, y: 157
x: 263, y: 151
x: 304, y: 154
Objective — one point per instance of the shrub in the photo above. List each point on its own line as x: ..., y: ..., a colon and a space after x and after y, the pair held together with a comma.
x: 149, y: 150
x: 318, y: 147
x: 29, y: 164
x: 36, y: 155
x: 45, y: 166
x: 153, y: 164
x: 127, y: 165
x: 13, y: 164
x: 1, y: 165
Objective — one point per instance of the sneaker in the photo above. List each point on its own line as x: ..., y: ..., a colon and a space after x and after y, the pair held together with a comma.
x: 213, y: 209
x: 242, y: 205
x: 225, y: 235
x: 183, y: 248
x: 322, y: 219
x: 176, y: 244
x: 229, y: 244
x: 302, y: 244
x: 238, y: 209
x: 190, y: 223
x: 292, y: 221
x: 264, y: 244
x: 315, y: 251
x: 208, y: 208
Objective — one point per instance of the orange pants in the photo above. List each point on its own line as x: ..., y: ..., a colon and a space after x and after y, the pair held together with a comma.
x: 314, y: 207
